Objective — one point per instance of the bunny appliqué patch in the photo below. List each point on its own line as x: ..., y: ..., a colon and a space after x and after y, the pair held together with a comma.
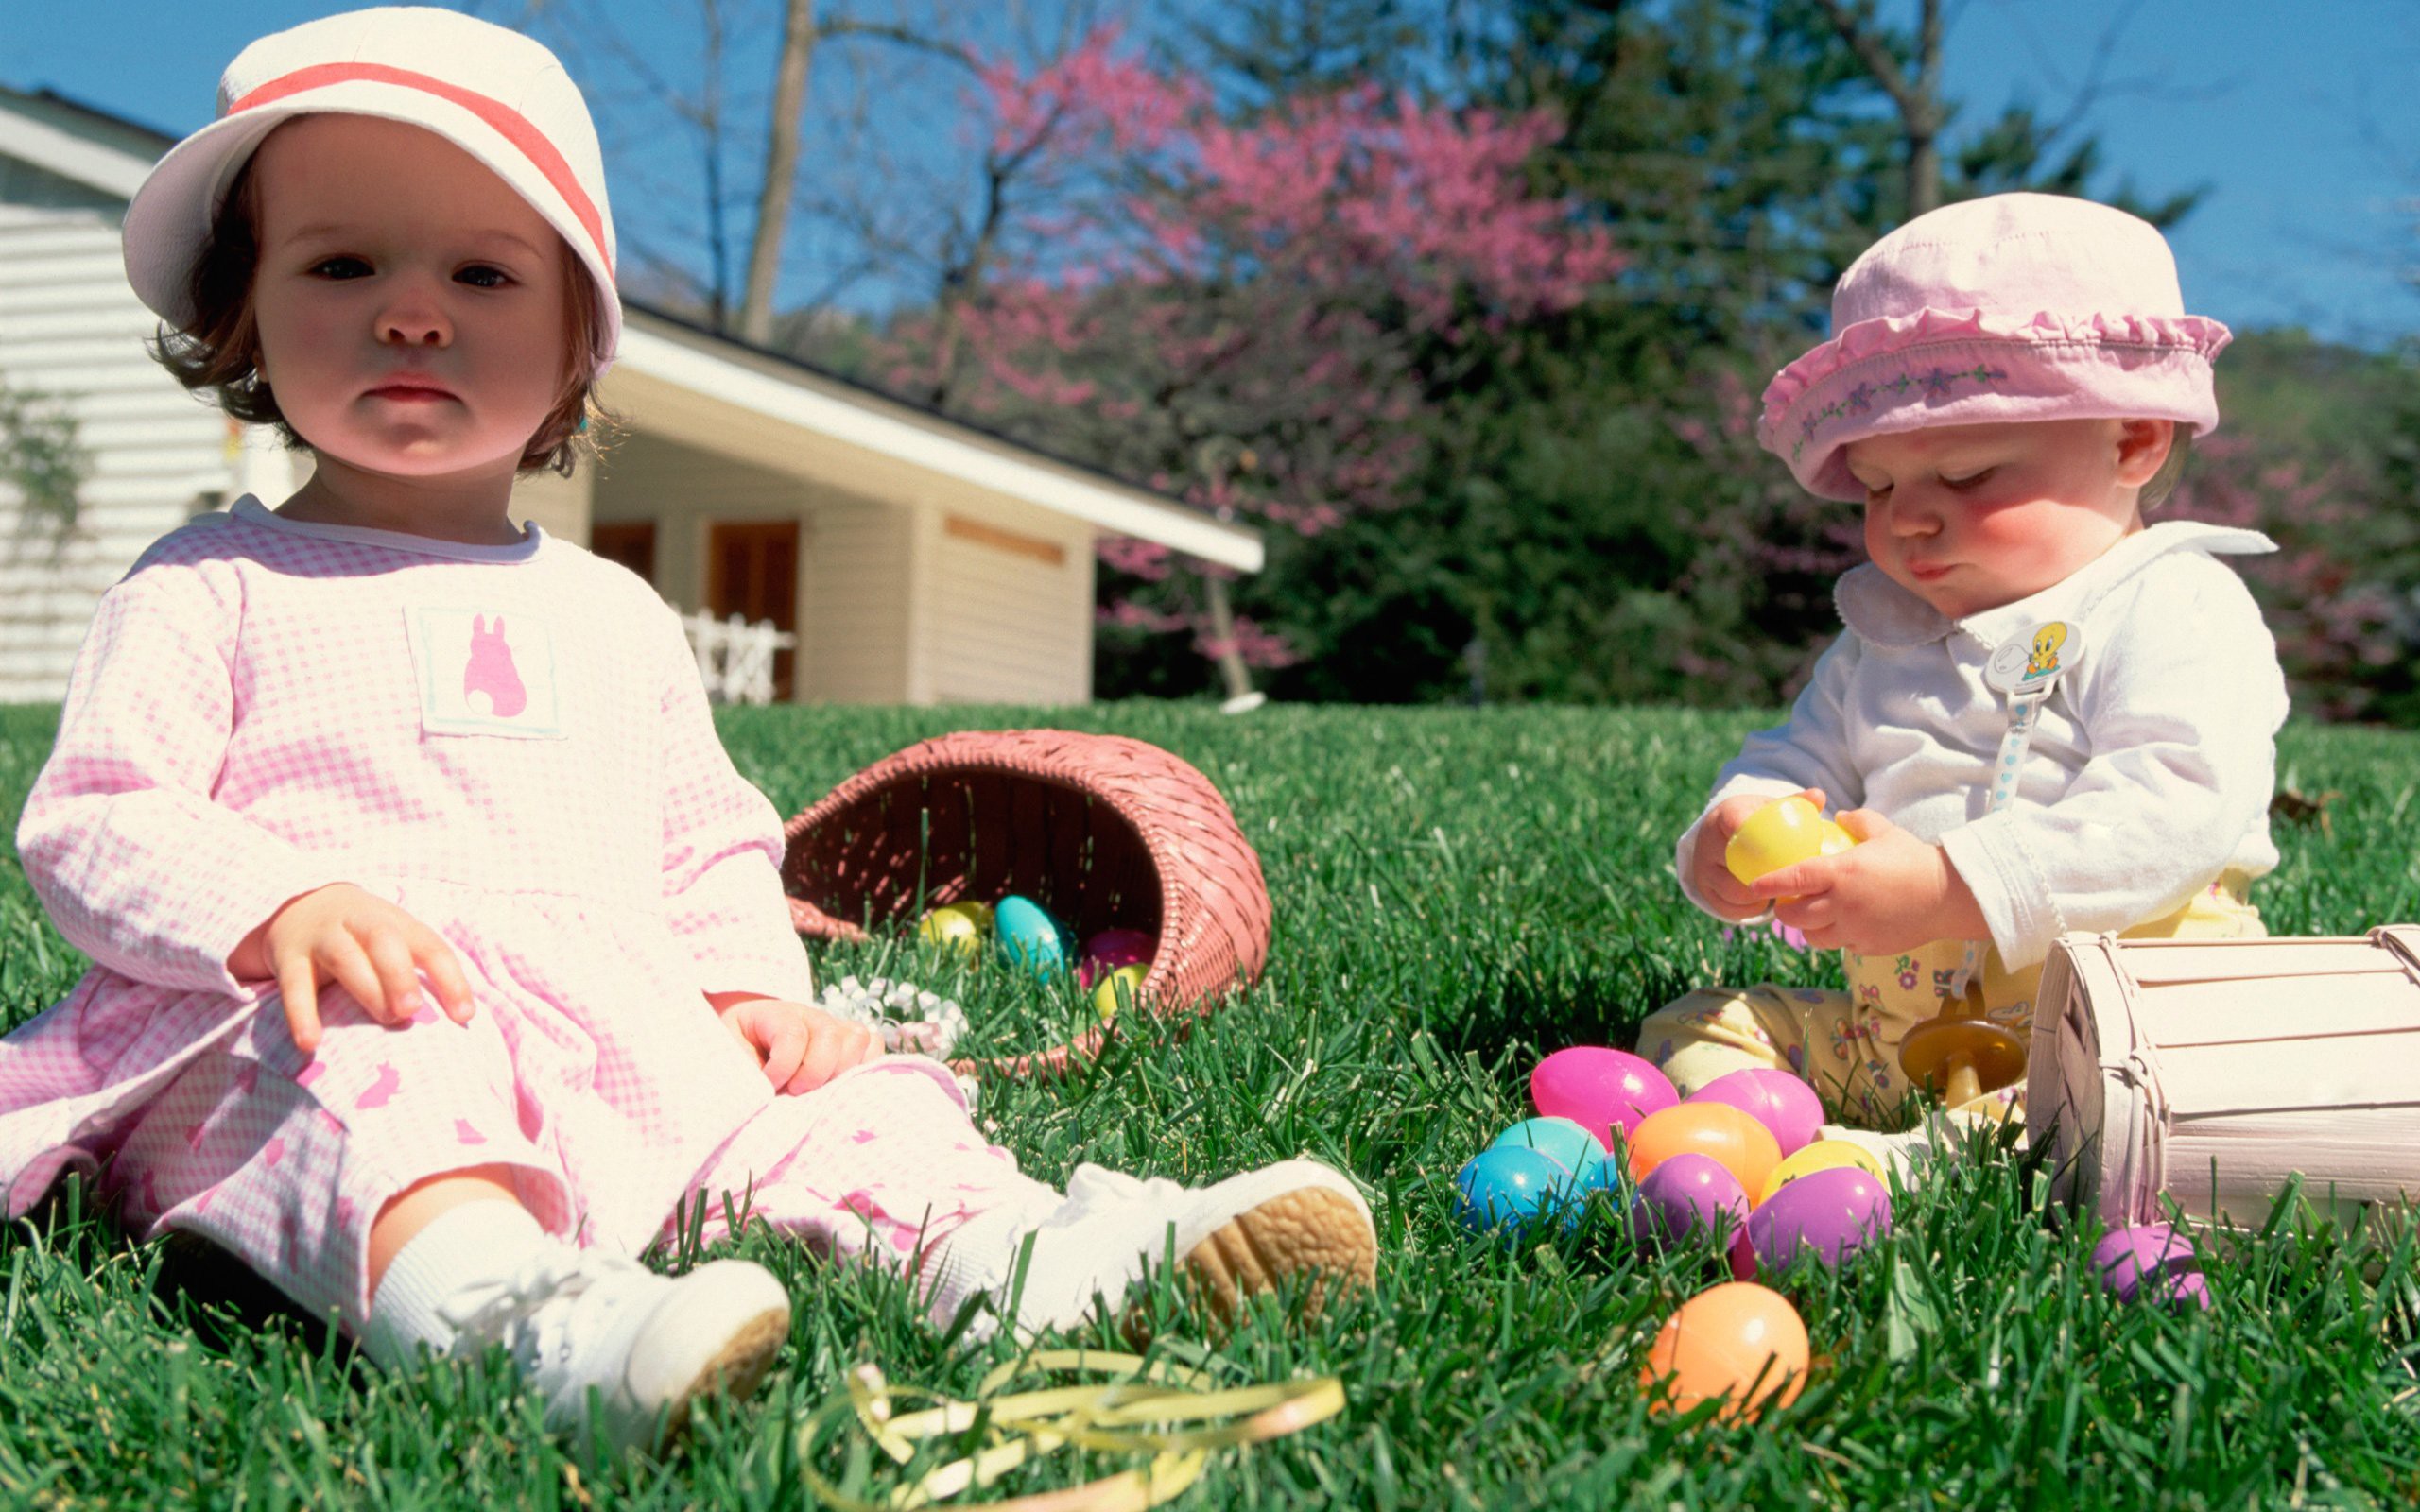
x: 485, y: 672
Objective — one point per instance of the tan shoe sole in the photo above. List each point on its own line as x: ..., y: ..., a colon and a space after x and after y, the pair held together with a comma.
x: 732, y: 1373
x: 1311, y: 1231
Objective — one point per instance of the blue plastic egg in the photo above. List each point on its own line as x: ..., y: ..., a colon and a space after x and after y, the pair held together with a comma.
x: 1029, y: 937
x: 1509, y: 1188
x: 1559, y: 1140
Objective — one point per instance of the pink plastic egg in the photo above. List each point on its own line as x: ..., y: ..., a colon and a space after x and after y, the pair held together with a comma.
x: 1830, y: 1214
x: 1684, y: 1195
x: 2151, y: 1261
x: 1112, y: 948
x: 1602, y: 1090
x: 1776, y: 1099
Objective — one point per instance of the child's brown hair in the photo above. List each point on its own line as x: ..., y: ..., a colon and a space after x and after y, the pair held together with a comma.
x: 219, y: 350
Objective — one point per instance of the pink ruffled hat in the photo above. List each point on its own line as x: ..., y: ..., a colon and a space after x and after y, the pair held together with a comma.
x: 496, y: 95
x: 2014, y: 307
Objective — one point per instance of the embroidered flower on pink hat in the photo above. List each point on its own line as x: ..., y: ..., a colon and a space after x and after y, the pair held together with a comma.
x: 2011, y: 308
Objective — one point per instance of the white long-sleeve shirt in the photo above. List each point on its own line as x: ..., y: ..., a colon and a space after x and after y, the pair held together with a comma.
x: 2151, y: 764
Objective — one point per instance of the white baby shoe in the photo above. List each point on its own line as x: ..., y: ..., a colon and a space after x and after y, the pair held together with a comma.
x: 1240, y: 1237
x: 647, y: 1346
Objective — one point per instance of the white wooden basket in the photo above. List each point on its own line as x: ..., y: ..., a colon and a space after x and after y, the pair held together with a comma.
x: 2208, y: 1072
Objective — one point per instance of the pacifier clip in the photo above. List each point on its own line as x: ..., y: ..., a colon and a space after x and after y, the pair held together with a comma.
x: 2023, y: 671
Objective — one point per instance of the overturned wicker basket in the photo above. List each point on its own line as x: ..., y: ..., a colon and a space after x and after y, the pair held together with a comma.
x: 1100, y: 830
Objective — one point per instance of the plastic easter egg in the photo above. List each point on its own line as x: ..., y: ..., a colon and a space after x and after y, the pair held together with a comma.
x: 1835, y: 840
x: 1831, y: 1215
x: 1824, y: 1154
x: 1776, y: 1099
x: 1114, y: 948
x: 1781, y: 833
x: 1559, y: 1140
x: 1506, y: 1188
x: 1028, y: 935
x: 1743, y: 1146
x: 2148, y: 1261
x: 1601, y: 1090
x: 952, y: 924
x: 1740, y: 1341
x: 1685, y: 1196
x: 1119, y: 989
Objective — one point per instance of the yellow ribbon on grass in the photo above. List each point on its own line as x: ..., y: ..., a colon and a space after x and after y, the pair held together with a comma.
x: 1137, y: 1414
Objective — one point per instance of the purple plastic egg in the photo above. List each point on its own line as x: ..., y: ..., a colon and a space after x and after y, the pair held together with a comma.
x: 1776, y: 1099
x: 2187, y: 1290
x: 1112, y: 948
x: 2147, y: 1258
x: 1832, y: 1213
x: 1684, y: 1195
x: 1602, y: 1090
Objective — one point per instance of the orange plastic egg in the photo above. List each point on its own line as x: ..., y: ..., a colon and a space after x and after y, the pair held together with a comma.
x: 1732, y: 1138
x: 1739, y: 1340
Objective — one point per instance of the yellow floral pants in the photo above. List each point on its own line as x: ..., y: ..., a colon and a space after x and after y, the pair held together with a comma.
x: 1846, y: 1044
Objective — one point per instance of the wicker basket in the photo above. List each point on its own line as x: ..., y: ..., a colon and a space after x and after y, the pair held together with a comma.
x: 1100, y: 830
x: 2210, y: 1073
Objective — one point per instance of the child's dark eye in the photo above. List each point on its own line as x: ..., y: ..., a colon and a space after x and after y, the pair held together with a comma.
x: 480, y: 276
x: 340, y: 267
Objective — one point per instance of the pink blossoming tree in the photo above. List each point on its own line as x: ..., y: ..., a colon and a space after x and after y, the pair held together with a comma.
x: 1246, y: 313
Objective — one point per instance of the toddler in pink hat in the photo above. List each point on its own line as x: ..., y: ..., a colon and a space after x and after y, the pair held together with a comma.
x: 440, y: 953
x: 2043, y: 714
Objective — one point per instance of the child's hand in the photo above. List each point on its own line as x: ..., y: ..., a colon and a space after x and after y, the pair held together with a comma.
x: 363, y: 943
x: 1709, y: 876
x: 800, y: 1048
x: 1891, y: 893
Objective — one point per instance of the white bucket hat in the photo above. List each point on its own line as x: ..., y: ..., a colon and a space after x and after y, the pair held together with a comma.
x: 494, y: 94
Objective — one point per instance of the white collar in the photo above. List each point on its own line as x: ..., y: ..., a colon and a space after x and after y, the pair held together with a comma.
x: 1883, y: 613
x: 252, y: 511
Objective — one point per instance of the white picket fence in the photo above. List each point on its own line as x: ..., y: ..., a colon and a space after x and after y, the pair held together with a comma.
x: 736, y: 658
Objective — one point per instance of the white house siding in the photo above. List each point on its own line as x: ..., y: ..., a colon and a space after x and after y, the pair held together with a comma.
x: 855, y: 613
x: 71, y: 327
x: 1011, y: 609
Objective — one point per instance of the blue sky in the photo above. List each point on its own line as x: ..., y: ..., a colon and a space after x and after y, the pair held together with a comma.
x: 2302, y: 120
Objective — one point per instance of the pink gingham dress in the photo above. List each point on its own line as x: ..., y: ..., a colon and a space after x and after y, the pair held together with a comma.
x: 511, y: 744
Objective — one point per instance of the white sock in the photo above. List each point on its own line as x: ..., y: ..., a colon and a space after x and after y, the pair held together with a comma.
x: 476, y: 1242
x: 980, y: 1255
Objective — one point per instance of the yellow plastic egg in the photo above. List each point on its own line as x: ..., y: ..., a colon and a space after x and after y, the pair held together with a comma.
x: 1821, y: 1156
x: 1781, y: 833
x: 1118, y: 989
x: 951, y: 924
x: 1836, y: 840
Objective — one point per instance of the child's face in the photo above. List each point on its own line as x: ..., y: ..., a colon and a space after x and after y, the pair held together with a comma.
x: 410, y: 306
x: 1972, y: 517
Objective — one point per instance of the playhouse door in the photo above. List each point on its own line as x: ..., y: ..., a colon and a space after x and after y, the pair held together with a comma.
x: 751, y: 571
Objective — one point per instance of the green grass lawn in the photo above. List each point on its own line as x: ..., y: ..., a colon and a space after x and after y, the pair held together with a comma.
x: 1457, y: 892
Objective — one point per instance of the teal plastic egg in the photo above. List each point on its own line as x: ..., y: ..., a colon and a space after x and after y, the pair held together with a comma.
x: 1559, y: 1140
x: 1029, y: 937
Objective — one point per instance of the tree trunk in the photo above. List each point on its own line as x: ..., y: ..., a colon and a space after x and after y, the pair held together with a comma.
x: 781, y: 171
x: 1222, y: 625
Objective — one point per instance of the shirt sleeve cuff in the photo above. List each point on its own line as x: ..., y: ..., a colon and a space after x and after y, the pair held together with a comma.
x: 2010, y: 888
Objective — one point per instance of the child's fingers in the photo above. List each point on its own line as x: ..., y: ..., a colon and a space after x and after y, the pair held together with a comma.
x: 432, y: 954
x: 297, y: 986
x: 1864, y: 824
x: 388, y: 953
x: 1802, y: 879
x: 342, y: 957
x: 790, y: 1048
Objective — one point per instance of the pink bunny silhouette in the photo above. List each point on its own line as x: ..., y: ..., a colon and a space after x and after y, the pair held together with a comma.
x: 491, y: 671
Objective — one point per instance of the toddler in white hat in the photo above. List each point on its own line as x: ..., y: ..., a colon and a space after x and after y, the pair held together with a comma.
x: 440, y: 955
x: 2043, y: 714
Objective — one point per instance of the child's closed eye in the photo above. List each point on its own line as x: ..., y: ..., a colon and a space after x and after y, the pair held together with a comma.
x: 1970, y: 482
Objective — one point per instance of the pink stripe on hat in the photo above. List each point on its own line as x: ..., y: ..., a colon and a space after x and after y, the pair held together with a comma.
x: 509, y: 123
